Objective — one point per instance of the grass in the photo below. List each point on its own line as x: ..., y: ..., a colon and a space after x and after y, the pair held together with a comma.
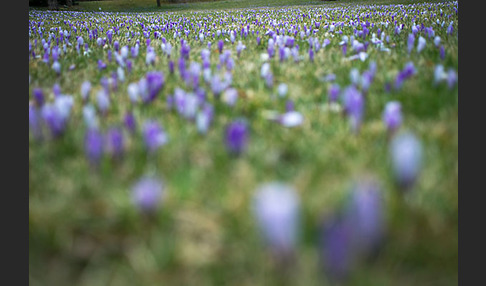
x: 84, y: 230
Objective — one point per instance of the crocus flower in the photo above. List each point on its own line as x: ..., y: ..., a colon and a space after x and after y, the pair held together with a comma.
x: 38, y: 95
x: 451, y: 78
x: 240, y: 47
x: 230, y: 96
x: 421, y: 44
x: 406, y: 158
x: 333, y: 92
x: 204, y: 118
x: 154, y: 135
x: 354, y: 106
x: 89, y: 116
x: 336, y: 248
x: 103, y: 100
x: 220, y: 46
x: 56, y: 66
x: 93, y: 145
x: 35, y: 122
x: 392, y: 116
x: 133, y: 92
x: 85, y: 89
x: 366, y: 214
x: 129, y: 122
x: 276, y: 207
x: 410, y: 42
x: 115, y: 142
x: 291, y: 119
x: 408, y: 71
x: 236, y: 137
x: 56, y: 114
x: 155, y: 83
x: 282, y: 89
x: 147, y: 194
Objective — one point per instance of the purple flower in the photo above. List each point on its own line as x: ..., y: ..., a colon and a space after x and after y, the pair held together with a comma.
x: 230, y: 96
x: 408, y: 71
x: 101, y: 65
x: 220, y: 46
x: 154, y: 135
x: 103, y: 100
x: 366, y: 214
x: 38, y: 95
x: 56, y: 114
x: 129, y: 122
x: 421, y: 44
x: 451, y: 78
x: 336, y: 248
x: 276, y: 207
x: 289, y: 105
x: 392, y: 116
x: 410, y: 42
x: 147, y: 194
x: 442, y: 52
x: 89, y: 116
x: 354, y: 106
x: 236, y: 137
x: 333, y: 92
x: 35, y: 124
x: 406, y: 158
x: 93, y: 146
x: 155, y: 83
x: 115, y: 142
x: 56, y: 66
x: 204, y: 118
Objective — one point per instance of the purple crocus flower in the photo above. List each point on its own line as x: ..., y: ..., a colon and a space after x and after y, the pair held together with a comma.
x: 230, y: 96
x: 442, y: 52
x: 408, y: 71
x: 336, y: 248
x: 276, y: 207
x: 354, y: 106
x: 129, y: 122
x: 56, y: 66
x: 240, y: 47
x: 289, y: 105
x: 103, y: 100
x: 38, y: 95
x: 333, y: 92
x: 406, y: 158
x: 410, y: 42
x: 204, y: 118
x: 155, y: 83
x: 101, y: 65
x: 56, y: 114
x: 392, y: 116
x: 115, y: 142
x: 421, y: 44
x: 236, y: 137
x: 35, y: 122
x: 451, y: 78
x: 154, y: 135
x: 89, y: 116
x: 93, y: 146
x: 147, y: 194
x: 220, y: 46
x: 366, y: 214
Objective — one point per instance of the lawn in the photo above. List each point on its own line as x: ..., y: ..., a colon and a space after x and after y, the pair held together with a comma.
x: 303, y: 88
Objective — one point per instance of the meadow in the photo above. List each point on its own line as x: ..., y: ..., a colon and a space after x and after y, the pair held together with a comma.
x: 314, y: 143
